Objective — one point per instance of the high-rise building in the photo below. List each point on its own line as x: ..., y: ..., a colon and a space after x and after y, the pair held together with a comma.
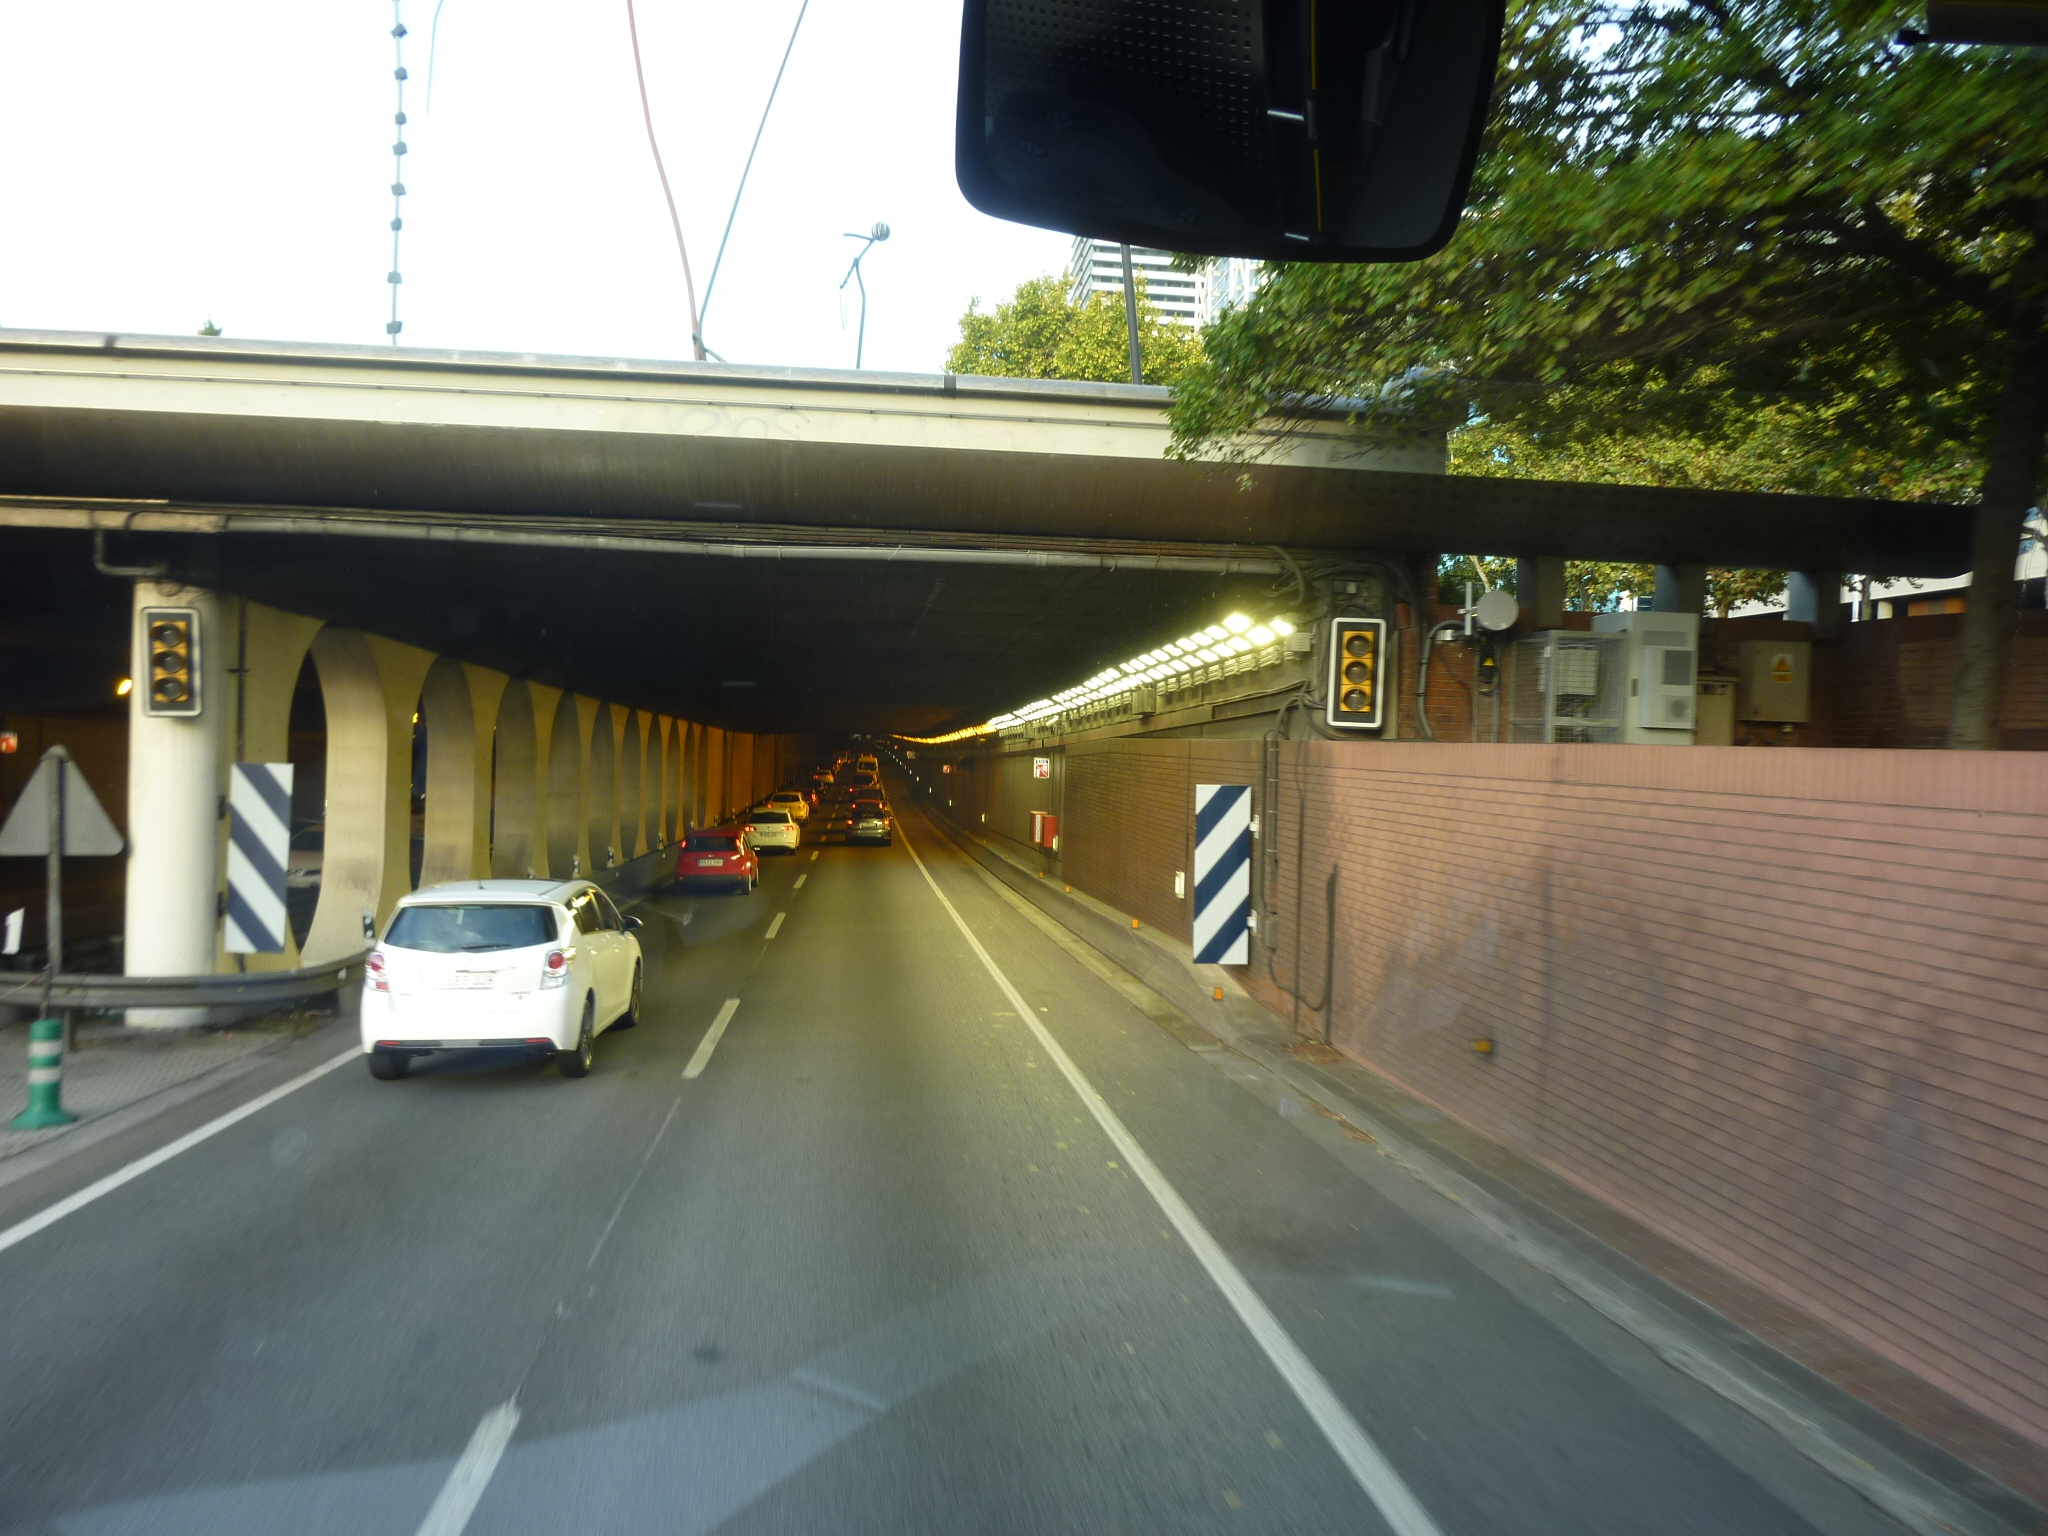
x: 1186, y: 298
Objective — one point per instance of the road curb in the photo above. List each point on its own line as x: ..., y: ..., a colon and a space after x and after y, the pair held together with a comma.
x: 1927, y: 1489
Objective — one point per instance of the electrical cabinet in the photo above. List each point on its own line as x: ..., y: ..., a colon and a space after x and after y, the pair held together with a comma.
x: 1776, y: 681
x: 1660, y: 658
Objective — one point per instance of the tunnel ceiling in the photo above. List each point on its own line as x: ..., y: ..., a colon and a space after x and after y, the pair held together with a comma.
x: 754, y: 645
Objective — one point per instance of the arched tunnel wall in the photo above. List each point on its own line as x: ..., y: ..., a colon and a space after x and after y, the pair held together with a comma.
x: 520, y: 781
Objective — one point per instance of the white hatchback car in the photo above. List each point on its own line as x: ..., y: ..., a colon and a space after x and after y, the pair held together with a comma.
x: 773, y: 829
x: 794, y: 801
x: 543, y: 966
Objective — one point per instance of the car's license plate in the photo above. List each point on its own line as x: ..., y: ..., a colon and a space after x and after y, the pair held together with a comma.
x: 470, y: 980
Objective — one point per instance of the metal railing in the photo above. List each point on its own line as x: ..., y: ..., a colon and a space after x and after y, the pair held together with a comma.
x: 257, y: 989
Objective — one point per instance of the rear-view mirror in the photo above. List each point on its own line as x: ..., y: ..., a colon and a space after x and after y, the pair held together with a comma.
x: 1286, y: 130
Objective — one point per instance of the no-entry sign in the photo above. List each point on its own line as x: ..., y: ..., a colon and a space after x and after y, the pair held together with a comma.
x: 1041, y: 767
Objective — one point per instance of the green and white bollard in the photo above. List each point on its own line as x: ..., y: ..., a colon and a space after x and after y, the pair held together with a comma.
x: 45, y: 1079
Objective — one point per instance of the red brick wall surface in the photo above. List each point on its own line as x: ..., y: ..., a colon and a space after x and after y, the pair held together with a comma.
x: 1785, y: 1007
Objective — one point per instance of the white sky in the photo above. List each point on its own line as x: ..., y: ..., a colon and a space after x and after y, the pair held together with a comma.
x: 169, y: 163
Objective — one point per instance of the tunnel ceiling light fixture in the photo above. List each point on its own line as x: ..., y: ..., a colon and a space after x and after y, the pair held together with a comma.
x: 1235, y: 636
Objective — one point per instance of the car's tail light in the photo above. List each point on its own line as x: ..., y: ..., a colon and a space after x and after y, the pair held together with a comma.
x: 374, y: 972
x: 554, y: 972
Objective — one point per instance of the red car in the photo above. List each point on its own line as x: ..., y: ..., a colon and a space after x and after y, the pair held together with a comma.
x: 717, y: 856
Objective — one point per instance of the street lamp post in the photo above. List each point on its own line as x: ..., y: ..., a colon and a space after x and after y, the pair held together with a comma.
x: 853, y: 275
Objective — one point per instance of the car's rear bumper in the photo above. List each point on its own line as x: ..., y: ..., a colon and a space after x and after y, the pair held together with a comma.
x: 734, y: 881
x: 534, y: 1047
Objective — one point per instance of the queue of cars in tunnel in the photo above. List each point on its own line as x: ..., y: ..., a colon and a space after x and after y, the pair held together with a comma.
x: 544, y: 967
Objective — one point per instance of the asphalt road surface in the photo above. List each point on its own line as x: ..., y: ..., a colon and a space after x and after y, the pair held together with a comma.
x: 877, y: 1267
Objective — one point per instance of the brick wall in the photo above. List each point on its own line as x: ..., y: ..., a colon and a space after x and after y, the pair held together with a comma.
x: 1788, y: 1008
x: 1784, y: 1007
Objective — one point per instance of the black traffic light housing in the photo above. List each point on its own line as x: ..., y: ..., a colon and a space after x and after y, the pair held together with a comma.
x: 171, y: 675
x: 1357, y: 695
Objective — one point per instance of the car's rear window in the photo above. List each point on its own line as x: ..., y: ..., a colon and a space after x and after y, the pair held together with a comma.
x: 722, y: 842
x: 771, y: 818
x: 456, y: 930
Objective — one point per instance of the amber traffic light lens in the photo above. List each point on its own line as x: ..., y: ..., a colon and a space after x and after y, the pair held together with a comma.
x: 1358, y: 672
x: 167, y: 661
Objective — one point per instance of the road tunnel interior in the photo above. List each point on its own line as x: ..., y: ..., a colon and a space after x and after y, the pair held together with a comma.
x: 748, y: 644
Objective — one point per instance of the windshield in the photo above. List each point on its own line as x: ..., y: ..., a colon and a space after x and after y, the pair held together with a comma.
x: 445, y: 930
x: 1446, y: 796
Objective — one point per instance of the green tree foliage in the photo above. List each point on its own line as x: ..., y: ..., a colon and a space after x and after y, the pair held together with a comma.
x: 1598, y: 586
x: 1752, y: 243
x: 1041, y: 333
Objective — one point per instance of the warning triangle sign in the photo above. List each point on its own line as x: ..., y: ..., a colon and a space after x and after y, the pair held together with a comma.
x: 87, y: 828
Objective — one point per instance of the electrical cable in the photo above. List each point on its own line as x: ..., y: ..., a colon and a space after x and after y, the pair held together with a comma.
x: 675, y: 219
x: 433, y: 47
x: 738, y: 192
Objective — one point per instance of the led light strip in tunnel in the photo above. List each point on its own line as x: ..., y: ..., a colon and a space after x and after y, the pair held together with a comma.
x: 1219, y: 642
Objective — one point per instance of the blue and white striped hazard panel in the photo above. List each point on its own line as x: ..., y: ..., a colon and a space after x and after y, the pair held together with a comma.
x: 1223, y: 873
x: 259, y: 842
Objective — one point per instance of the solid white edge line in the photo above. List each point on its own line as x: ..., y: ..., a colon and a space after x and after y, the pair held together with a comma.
x: 51, y: 1215
x: 710, y: 1041
x: 471, y: 1475
x: 775, y: 924
x: 1400, y: 1508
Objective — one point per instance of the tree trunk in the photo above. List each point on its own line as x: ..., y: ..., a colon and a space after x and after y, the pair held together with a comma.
x: 2012, y: 476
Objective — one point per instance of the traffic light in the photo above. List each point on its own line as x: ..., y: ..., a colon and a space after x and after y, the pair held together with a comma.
x: 171, y: 636
x: 1357, y: 651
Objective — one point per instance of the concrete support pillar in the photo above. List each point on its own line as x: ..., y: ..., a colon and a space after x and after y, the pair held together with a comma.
x: 600, y: 791
x: 175, y: 775
x: 269, y: 647
x: 519, y: 841
x: 1539, y: 579
x: 714, y: 755
x: 568, y: 832
x: 370, y: 687
x: 1815, y: 597
x: 700, y: 776
x: 1681, y: 589
x: 632, y: 785
x: 671, y: 778
x: 486, y: 695
x: 449, y: 714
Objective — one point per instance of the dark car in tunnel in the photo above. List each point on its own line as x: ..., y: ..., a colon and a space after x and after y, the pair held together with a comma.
x: 869, y: 822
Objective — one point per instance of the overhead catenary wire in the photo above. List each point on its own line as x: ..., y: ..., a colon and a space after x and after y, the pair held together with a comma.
x: 675, y: 219
x: 718, y: 261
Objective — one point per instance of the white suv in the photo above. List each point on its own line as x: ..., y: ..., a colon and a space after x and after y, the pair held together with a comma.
x: 794, y: 801
x: 542, y: 966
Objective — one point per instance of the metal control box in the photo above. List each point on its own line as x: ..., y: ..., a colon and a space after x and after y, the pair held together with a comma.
x: 1776, y: 681
x: 1662, y: 666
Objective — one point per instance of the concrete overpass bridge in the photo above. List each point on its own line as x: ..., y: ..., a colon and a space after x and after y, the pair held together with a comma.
x: 610, y: 589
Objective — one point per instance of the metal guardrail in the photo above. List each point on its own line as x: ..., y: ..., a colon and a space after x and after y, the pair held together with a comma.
x: 257, y: 989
